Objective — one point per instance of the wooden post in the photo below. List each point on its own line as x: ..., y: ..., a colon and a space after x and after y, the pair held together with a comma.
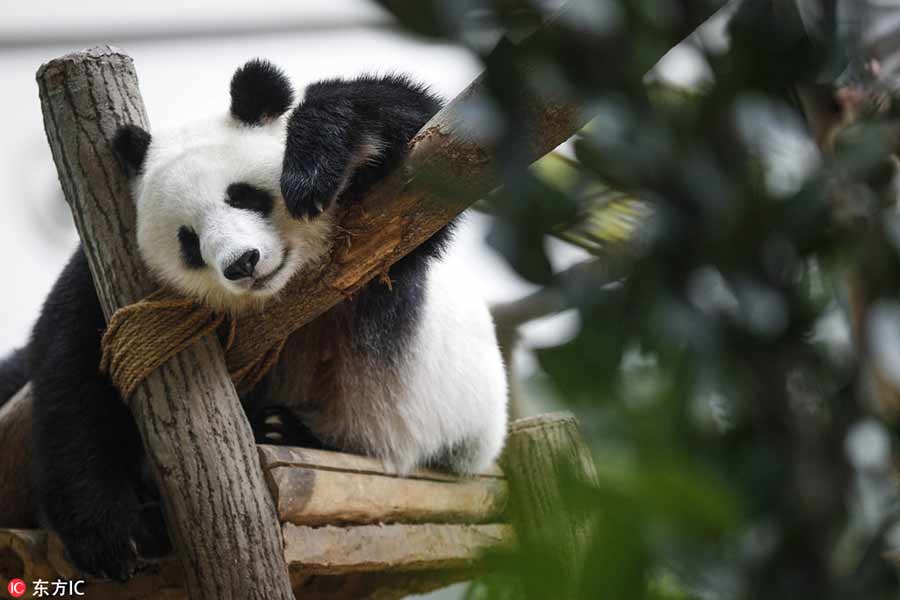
x: 540, y: 452
x: 220, y: 515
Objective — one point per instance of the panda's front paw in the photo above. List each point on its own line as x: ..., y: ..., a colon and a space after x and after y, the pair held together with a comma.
x: 102, y: 554
x: 278, y: 426
x: 150, y: 534
x: 307, y: 195
x: 118, y: 548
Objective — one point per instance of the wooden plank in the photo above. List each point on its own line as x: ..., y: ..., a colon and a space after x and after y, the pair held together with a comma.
x: 301, y: 497
x: 30, y: 555
x: 378, y: 562
x: 318, y: 496
x: 16, y: 492
x: 338, y: 550
x: 23, y: 555
x: 376, y: 586
x: 281, y: 456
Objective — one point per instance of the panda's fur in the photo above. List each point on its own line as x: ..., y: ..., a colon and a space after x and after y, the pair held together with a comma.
x: 228, y: 210
x: 205, y: 160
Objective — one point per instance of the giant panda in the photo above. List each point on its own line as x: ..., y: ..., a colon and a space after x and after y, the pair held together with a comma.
x: 228, y: 209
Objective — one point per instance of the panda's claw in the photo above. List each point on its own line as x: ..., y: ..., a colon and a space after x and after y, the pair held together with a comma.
x: 103, y: 556
x: 150, y: 534
x: 304, y: 196
x: 279, y: 426
x: 135, y: 536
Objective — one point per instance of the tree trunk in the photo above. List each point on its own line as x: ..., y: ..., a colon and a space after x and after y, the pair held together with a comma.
x: 220, y: 515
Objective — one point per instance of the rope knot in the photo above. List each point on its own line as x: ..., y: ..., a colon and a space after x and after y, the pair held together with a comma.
x: 142, y: 336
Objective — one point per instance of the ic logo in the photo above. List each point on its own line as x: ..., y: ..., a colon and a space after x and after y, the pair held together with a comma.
x: 16, y: 588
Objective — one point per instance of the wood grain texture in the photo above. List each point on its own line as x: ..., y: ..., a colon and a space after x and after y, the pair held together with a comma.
x: 399, y: 547
x: 23, y: 555
x: 377, y: 586
x: 33, y: 554
x: 16, y: 492
x: 306, y: 496
x: 541, y: 452
x: 197, y: 438
x: 391, y: 562
x: 317, y: 487
x: 292, y: 456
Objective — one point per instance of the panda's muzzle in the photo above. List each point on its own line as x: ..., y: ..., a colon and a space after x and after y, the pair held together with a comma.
x: 260, y: 283
x: 243, y: 267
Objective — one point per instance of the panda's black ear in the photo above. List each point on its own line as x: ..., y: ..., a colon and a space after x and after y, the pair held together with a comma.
x: 260, y: 92
x: 130, y: 144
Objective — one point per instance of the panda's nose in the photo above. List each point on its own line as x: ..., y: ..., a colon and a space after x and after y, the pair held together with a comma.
x: 243, y: 266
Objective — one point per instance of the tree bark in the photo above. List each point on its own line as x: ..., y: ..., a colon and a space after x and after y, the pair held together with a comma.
x: 399, y: 547
x: 220, y: 515
x: 16, y: 493
x: 541, y: 453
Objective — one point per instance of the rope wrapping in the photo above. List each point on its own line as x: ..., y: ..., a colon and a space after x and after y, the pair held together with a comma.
x: 142, y: 336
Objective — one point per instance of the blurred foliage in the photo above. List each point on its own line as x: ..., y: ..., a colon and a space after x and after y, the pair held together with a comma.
x: 605, y: 219
x: 725, y: 386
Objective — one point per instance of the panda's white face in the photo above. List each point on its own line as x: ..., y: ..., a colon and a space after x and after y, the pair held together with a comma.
x: 211, y: 219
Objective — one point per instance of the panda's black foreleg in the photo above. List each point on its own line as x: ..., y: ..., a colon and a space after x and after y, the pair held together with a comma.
x: 87, y: 453
x: 87, y: 479
x: 347, y: 135
x: 343, y: 138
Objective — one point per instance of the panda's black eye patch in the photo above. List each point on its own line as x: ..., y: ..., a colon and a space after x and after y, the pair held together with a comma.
x: 250, y: 197
x: 190, y: 248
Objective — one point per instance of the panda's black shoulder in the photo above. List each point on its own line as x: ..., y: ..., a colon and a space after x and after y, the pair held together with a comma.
x: 394, y: 92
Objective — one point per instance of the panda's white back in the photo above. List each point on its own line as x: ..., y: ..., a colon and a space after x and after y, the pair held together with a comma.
x: 441, y: 402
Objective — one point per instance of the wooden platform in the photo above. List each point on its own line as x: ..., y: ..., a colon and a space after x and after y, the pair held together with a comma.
x: 351, y: 529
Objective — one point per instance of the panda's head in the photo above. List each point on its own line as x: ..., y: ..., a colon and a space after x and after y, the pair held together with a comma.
x: 211, y: 220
